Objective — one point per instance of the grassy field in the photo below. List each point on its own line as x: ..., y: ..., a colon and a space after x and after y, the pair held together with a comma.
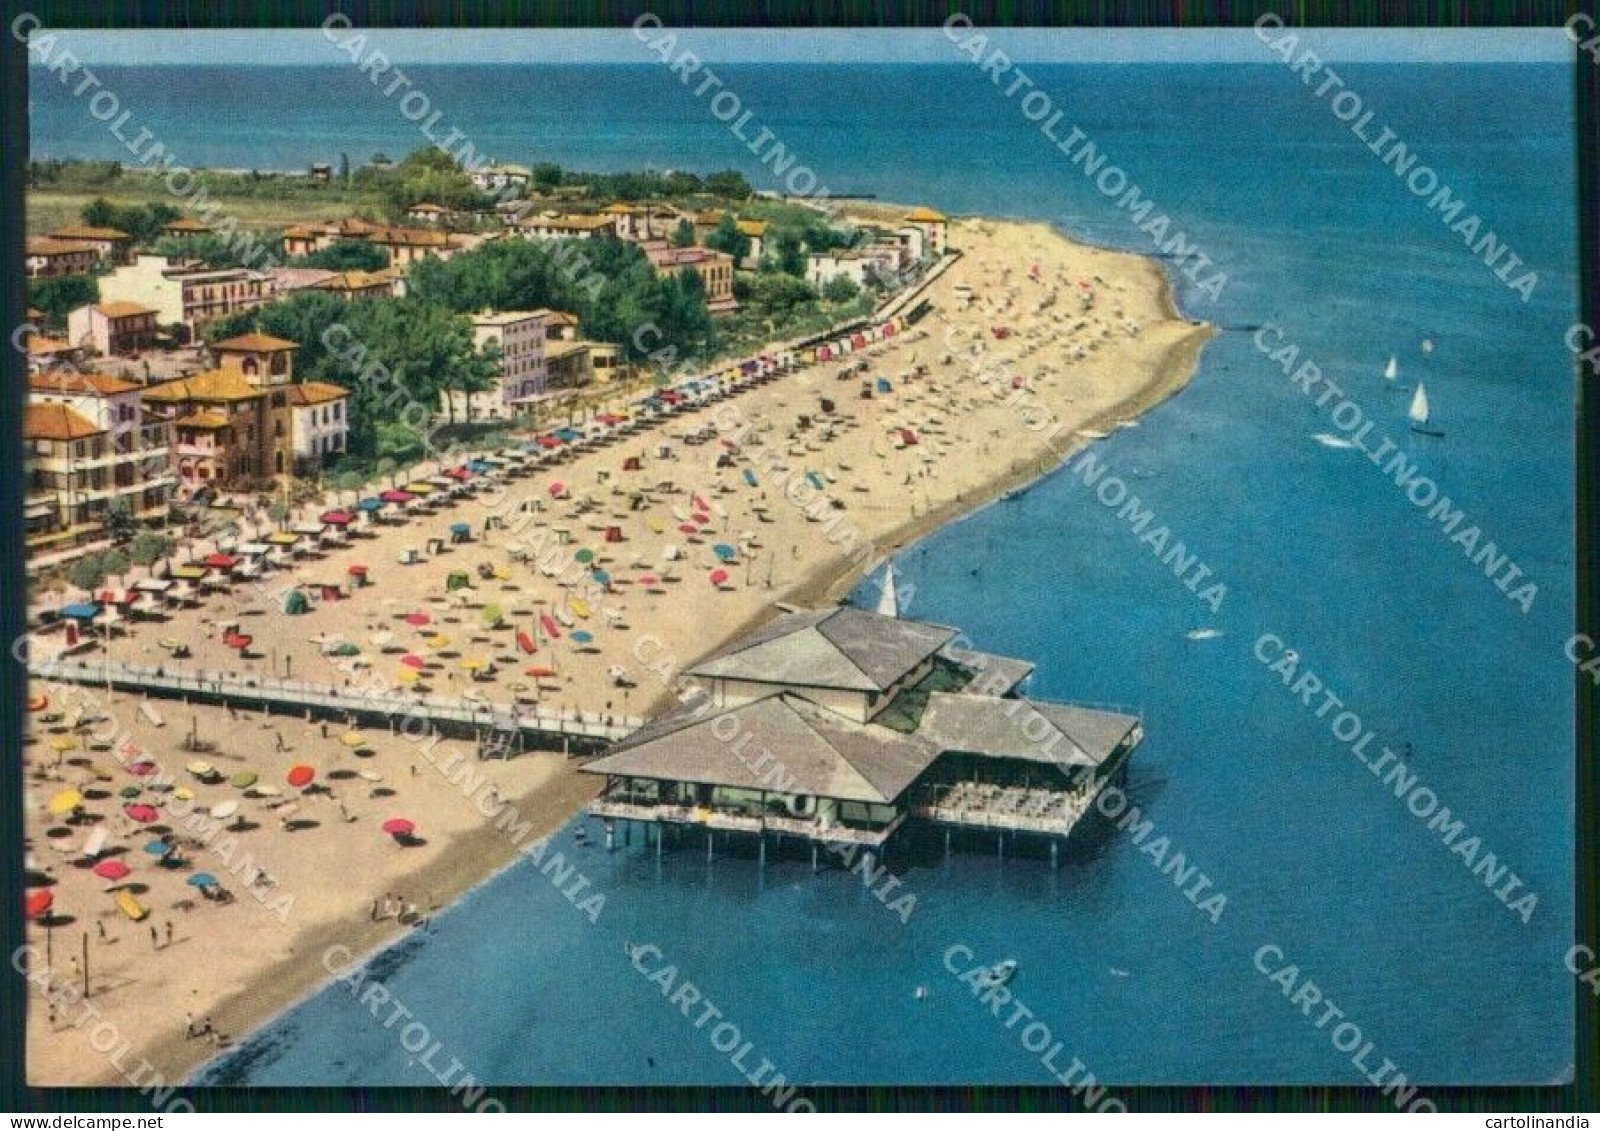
x: 48, y: 209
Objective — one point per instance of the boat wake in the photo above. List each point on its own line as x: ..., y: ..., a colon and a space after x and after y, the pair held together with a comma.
x: 1329, y: 440
x: 1204, y: 633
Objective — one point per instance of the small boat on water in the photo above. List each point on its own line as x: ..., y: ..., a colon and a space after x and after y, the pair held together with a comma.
x: 1392, y: 370
x: 998, y: 974
x: 1420, y: 415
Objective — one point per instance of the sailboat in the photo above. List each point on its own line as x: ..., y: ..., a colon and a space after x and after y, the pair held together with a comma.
x: 888, y: 599
x: 1392, y: 370
x: 1419, y: 414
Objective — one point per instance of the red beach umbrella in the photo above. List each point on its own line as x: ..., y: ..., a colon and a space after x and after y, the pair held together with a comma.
x: 525, y: 642
x: 144, y: 814
x: 37, y: 902
x: 539, y: 673
x: 412, y: 660
x: 219, y: 561
x: 399, y: 826
x: 688, y: 528
x: 142, y: 769
x: 548, y: 623
x: 699, y: 503
x: 557, y: 490
x: 111, y: 869
x: 301, y: 776
x: 649, y: 580
x: 718, y: 576
x: 418, y: 618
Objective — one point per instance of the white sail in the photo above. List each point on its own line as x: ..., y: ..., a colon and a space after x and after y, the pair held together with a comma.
x: 1392, y: 370
x: 888, y: 602
x: 1419, y: 406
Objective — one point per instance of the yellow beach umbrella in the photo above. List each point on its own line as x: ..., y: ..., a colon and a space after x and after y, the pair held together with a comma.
x: 61, y: 743
x: 352, y: 738
x: 439, y: 640
x: 657, y: 525
x: 183, y: 793
x: 579, y: 606
x: 65, y: 802
x: 407, y: 676
x: 473, y: 664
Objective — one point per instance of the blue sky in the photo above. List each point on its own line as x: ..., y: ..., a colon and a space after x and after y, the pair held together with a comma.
x: 826, y: 46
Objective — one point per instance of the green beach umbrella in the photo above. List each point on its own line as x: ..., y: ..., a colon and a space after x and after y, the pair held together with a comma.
x: 244, y: 779
x: 584, y: 556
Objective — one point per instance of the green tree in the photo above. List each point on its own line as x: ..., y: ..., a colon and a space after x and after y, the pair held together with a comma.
x: 788, y: 254
x: 120, y: 522
x: 55, y: 297
x: 840, y: 288
x: 216, y: 251
x: 142, y: 222
x: 148, y: 548
x: 115, y: 562
x: 727, y: 237
x: 684, y: 235
x: 88, y: 572
x: 729, y: 184
x: 345, y: 255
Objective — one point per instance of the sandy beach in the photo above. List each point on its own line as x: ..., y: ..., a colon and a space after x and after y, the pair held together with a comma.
x: 691, y: 548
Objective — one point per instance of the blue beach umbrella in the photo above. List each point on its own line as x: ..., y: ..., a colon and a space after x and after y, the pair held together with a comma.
x: 370, y: 504
x: 582, y: 637
x: 566, y: 434
x: 80, y: 611
x: 202, y: 880
x: 883, y: 385
x: 750, y: 477
x: 601, y: 576
x: 724, y: 551
x: 814, y: 479
x: 157, y: 848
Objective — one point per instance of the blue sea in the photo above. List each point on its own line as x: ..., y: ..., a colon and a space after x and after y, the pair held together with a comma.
x: 1315, y: 545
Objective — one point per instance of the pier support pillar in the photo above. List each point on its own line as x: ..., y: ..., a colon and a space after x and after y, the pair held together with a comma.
x: 813, y: 857
x: 659, y: 831
x: 611, y: 836
x: 947, y: 844
x: 711, y: 841
x: 627, y: 833
x: 763, y: 850
x: 1001, y: 837
x: 1054, y: 846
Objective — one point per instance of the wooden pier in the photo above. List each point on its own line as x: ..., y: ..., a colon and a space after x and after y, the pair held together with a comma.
x: 398, y: 709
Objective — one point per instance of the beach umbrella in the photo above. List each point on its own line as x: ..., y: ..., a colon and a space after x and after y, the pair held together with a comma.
x: 656, y: 525
x: 183, y: 793
x: 301, y: 776
x: 688, y: 528
x: 111, y: 870
x: 130, y: 791
x: 157, y: 848
x: 142, y: 769
x: 750, y: 478
x: 200, y: 769
x: 649, y: 580
x: 244, y: 779
x: 601, y: 577
x: 473, y: 664
x: 539, y: 672
x: 557, y: 490
x: 347, y: 649
x: 398, y: 826
x: 202, y: 880
x: 62, y: 743
x: 408, y: 677
x: 418, y: 618
x: 492, y: 615
x: 65, y: 802
x: 144, y: 814
x: 718, y: 576
x: 549, y: 625
x: 584, y: 556
x: 724, y: 551
x: 37, y: 902
x: 352, y: 739
x: 412, y: 660
x: 582, y: 637
x: 222, y: 810
x: 525, y: 642
x: 699, y: 503
x: 438, y: 640
x: 38, y: 702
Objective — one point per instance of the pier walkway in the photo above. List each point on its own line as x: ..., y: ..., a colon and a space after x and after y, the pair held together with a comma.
x: 391, y: 706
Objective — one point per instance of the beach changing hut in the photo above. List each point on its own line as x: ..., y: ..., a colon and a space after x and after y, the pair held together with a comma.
x: 336, y: 526
x: 311, y: 536
x: 154, y: 592
x: 186, y: 583
x: 252, y: 558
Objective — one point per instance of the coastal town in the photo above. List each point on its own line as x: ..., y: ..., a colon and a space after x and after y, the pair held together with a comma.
x: 268, y: 629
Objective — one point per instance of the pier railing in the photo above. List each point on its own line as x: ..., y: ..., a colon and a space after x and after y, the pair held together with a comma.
x: 233, y: 689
